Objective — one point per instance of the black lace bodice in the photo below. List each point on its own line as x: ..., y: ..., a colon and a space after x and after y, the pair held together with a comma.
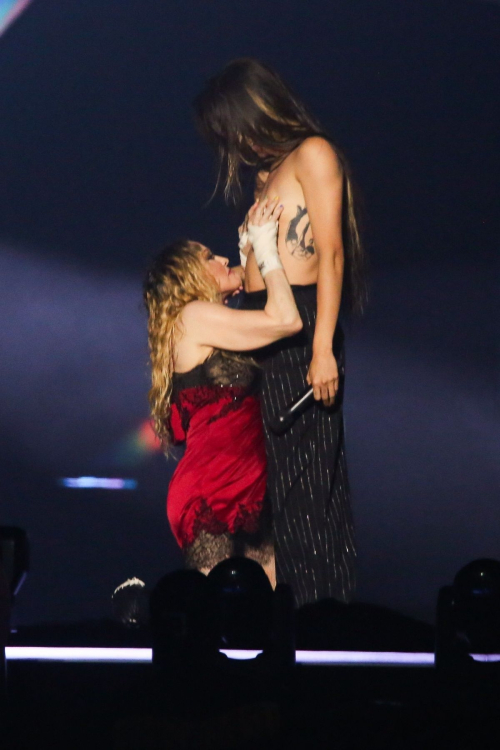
x: 220, y: 381
x: 218, y: 370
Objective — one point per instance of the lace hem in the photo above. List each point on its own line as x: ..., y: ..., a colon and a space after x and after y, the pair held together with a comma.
x: 246, y: 520
x: 252, y: 538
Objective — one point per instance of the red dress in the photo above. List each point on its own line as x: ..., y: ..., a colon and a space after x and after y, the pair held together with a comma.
x: 220, y: 482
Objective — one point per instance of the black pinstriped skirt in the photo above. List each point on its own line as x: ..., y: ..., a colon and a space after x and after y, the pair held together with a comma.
x: 307, y: 474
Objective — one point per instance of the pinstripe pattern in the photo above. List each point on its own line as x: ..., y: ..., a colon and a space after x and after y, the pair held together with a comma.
x: 307, y: 472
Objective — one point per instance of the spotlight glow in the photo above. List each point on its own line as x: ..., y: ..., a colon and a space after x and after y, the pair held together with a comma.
x: 240, y: 654
x: 486, y: 657
x: 138, y: 446
x: 102, y: 483
x: 318, y: 658
x: 77, y: 654
x: 365, y: 658
x: 10, y: 10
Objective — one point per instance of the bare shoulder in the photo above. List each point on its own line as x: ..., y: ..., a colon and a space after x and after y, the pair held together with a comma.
x: 316, y: 153
x: 196, y: 311
x: 189, y: 346
x: 313, y: 146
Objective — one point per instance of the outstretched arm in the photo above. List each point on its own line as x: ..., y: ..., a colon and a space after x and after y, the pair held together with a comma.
x: 320, y: 175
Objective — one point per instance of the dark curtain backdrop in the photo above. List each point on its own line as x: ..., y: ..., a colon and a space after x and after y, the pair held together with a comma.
x: 100, y: 164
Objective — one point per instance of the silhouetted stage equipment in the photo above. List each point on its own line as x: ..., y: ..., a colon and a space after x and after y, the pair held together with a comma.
x: 223, y: 666
x: 130, y: 603
x: 468, y: 615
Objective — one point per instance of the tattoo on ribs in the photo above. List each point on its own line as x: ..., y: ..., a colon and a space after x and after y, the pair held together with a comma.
x: 297, y: 240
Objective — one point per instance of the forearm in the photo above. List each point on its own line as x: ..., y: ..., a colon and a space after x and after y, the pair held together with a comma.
x: 280, y: 305
x: 330, y: 275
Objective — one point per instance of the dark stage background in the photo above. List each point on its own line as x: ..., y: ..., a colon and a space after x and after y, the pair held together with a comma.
x: 100, y: 164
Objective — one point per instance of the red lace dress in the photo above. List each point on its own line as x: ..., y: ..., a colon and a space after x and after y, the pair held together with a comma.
x: 219, y: 484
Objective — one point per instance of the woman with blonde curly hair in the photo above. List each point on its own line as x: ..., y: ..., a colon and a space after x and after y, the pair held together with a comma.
x: 204, y: 391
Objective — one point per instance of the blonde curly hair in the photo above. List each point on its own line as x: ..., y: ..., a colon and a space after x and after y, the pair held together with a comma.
x: 176, y: 277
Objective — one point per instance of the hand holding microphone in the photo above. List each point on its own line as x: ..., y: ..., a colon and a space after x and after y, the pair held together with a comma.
x: 284, y: 419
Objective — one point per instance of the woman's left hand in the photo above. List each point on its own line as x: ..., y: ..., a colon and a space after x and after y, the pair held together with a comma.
x: 323, y: 375
x: 244, y: 245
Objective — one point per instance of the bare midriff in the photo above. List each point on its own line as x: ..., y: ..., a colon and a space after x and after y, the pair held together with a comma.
x: 295, y: 239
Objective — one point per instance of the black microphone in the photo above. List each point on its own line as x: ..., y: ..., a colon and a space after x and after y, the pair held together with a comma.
x: 287, y: 416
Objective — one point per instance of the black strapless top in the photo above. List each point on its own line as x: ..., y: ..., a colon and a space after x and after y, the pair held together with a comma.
x: 218, y: 369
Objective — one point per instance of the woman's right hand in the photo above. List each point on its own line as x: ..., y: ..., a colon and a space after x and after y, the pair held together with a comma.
x: 263, y: 234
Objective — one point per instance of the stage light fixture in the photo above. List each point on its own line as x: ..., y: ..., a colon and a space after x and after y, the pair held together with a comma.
x: 244, y: 598
x: 130, y: 603
x: 183, y: 620
x: 468, y: 616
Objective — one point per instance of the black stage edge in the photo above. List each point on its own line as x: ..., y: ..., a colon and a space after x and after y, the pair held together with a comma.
x: 220, y: 703
x: 324, y: 625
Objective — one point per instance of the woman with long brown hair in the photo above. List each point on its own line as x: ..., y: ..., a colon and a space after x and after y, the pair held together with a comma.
x: 253, y: 119
x: 204, y: 392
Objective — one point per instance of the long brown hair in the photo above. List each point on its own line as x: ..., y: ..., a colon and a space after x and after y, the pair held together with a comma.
x: 248, y: 103
x: 177, y: 276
